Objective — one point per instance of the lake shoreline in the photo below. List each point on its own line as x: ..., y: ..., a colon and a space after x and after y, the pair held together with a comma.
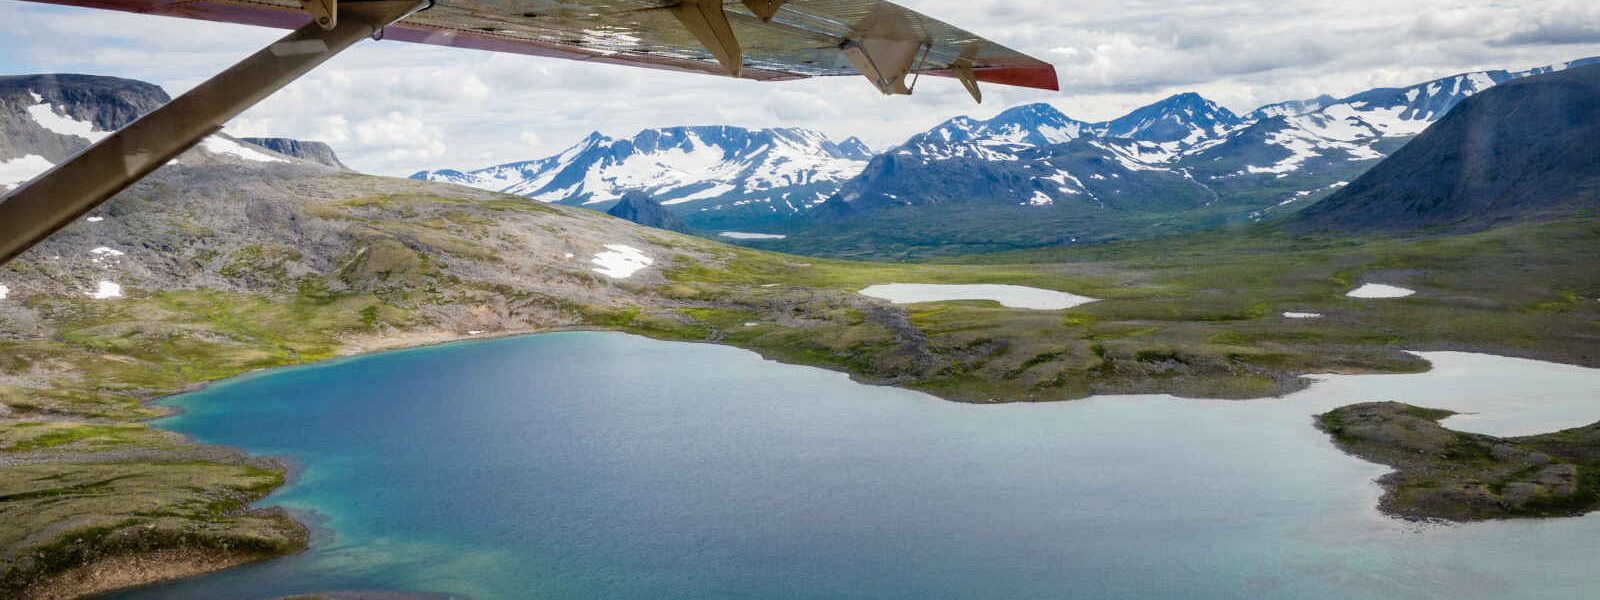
x: 1440, y: 474
x: 141, y: 565
x: 146, y: 562
x: 115, y: 573
x: 212, y: 415
x: 130, y: 570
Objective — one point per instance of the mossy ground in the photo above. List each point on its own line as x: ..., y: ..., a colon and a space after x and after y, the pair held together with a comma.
x: 60, y: 516
x: 84, y: 479
x: 1199, y: 316
x: 1450, y: 475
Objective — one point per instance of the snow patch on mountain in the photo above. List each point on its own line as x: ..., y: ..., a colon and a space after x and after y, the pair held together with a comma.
x: 1406, y: 111
x: 702, y: 167
x: 217, y: 144
x: 45, y: 115
x: 621, y: 261
x: 1319, y: 135
x: 1290, y: 108
x: 106, y: 290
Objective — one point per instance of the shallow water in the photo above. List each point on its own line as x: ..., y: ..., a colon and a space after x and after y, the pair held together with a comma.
x: 595, y: 465
x: 1013, y: 296
x: 740, y: 235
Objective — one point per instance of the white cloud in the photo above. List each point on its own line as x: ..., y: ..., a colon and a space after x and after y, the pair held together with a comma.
x: 400, y: 137
x: 391, y: 107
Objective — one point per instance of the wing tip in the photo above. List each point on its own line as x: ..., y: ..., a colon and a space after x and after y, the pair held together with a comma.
x: 1042, y: 77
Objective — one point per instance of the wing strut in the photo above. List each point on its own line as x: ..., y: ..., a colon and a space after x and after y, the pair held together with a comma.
x: 50, y: 201
x: 708, y: 23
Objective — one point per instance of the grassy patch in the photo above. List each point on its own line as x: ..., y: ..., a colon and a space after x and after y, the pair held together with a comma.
x: 1213, y: 300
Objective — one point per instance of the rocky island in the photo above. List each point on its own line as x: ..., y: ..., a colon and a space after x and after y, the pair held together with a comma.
x: 1456, y: 476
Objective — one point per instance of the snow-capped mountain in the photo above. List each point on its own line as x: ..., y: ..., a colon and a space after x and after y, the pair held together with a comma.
x: 1185, y: 118
x: 1037, y: 124
x: 1290, y: 108
x: 1522, y: 150
x: 1033, y: 155
x: 1409, y: 110
x: 1031, y: 174
x: 1298, y: 152
x: 721, y: 171
x: 1155, y: 133
x: 1086, y: 171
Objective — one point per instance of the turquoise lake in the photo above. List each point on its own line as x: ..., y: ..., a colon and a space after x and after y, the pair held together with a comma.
x: 600, y: 465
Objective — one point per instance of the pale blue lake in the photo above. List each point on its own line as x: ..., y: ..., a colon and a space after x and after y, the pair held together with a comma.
x: 599, y: 465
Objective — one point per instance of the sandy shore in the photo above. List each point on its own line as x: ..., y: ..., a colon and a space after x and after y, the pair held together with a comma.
x: 130, y: 570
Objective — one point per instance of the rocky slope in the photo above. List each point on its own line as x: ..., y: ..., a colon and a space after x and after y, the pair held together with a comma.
x: 45, y: 119
x: 209, y: 270
x: 316, y: 152
x: 1522, y: 150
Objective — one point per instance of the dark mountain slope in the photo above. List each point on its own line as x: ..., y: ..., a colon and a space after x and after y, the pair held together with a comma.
x: 1521, y: 150
x: 316, y: 152
x: 99, y: 103
x: 640, y: 208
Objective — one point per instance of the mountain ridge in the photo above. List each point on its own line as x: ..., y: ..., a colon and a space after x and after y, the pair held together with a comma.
x: 1189, y: 164
x: 1181, y: 163
x: 317, y: 152
x: 713, y: 173
x: 1519, y: 150
x: 47, y: 119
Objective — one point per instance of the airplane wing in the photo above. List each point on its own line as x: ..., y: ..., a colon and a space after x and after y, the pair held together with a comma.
x: 778, y: 39
x: 764, y: 40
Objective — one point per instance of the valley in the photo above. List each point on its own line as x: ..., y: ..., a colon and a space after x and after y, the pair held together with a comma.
x: 1198, y: 317
x: 242, y: 257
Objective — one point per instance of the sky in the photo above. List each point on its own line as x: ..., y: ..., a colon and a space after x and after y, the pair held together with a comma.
x: 395, y: 108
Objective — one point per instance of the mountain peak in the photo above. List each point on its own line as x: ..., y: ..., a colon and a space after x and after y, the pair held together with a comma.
x: 1036, y: 110
x: 1037, y: 124
x: 853, y: 147
x: 641, y: 208
x: 1187, y: 117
